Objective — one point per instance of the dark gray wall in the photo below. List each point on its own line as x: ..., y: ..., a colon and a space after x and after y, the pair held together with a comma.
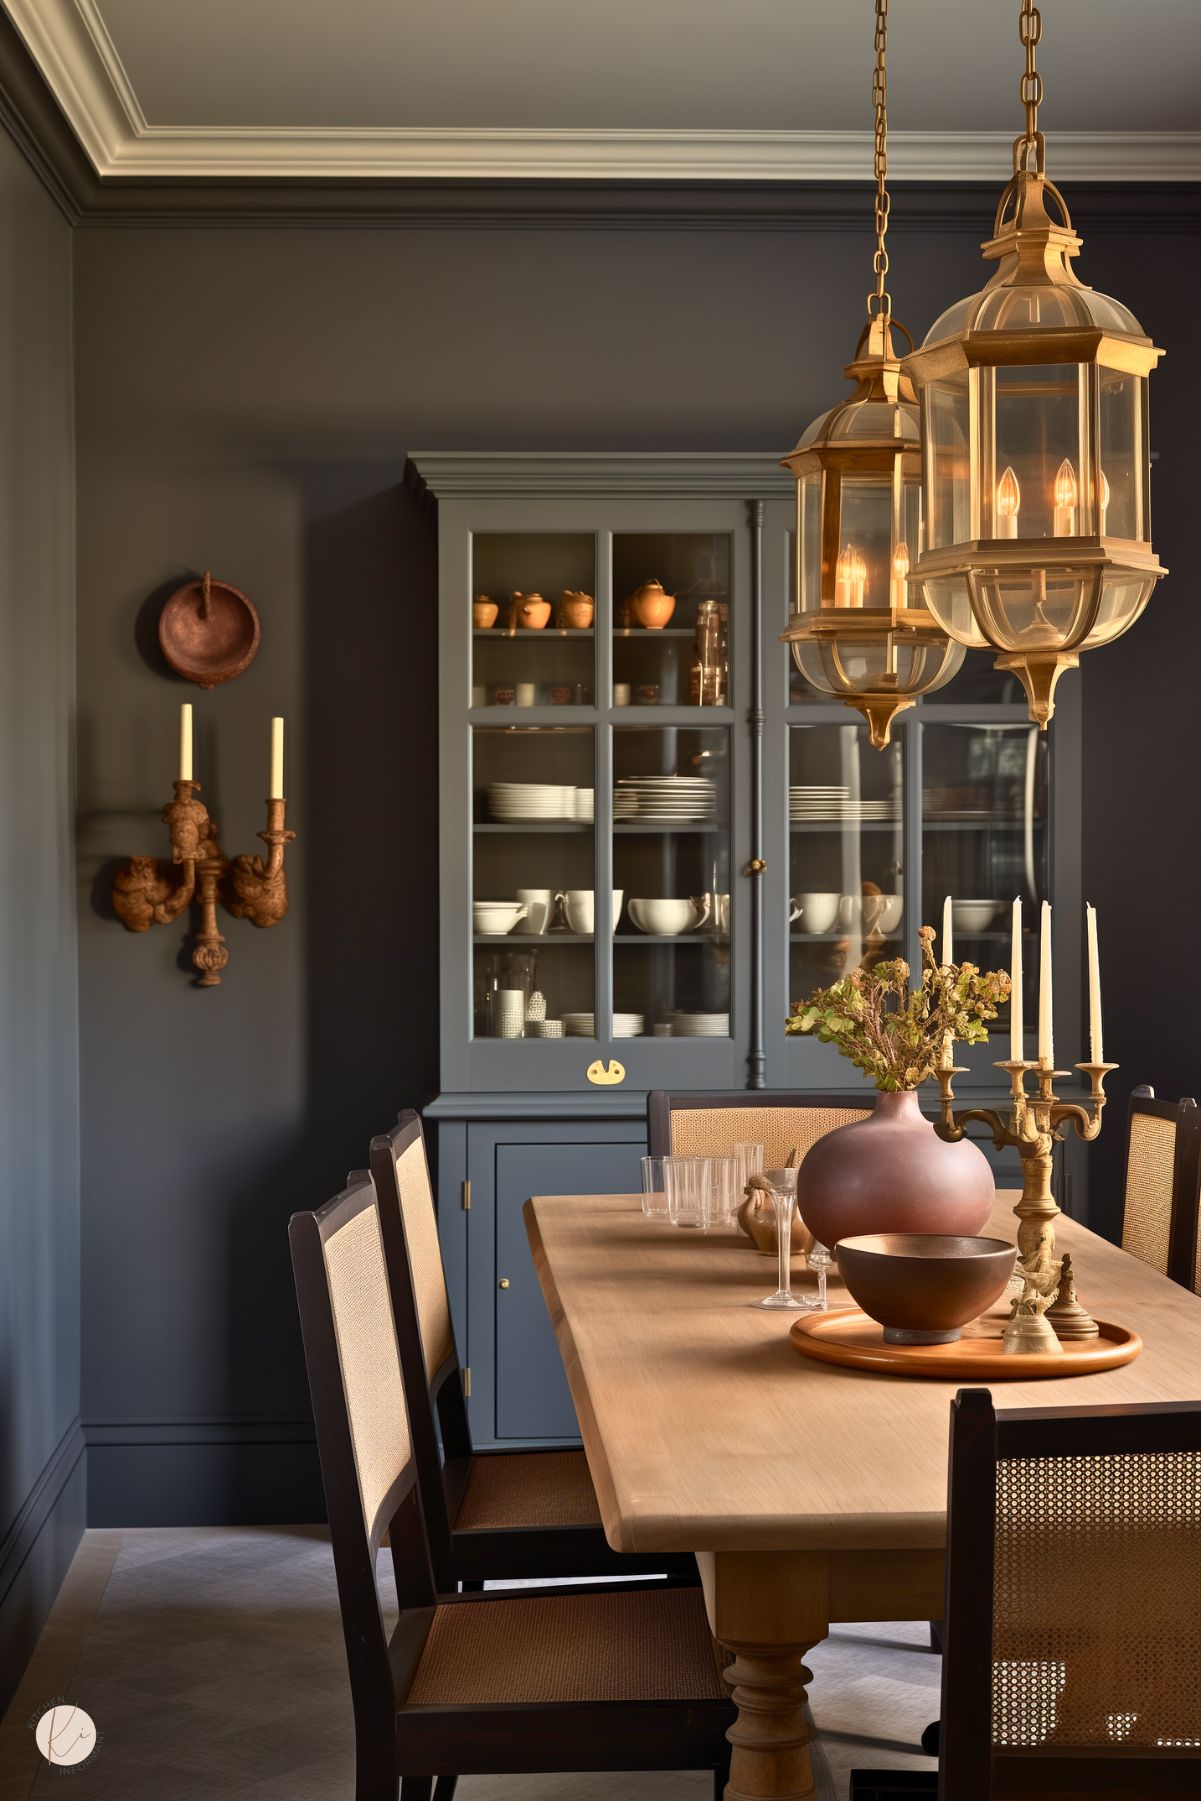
x: 245, y: 400
x: 41, y: 1472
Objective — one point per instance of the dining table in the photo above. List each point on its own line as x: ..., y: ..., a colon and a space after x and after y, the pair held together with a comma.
x: 808, y: 1493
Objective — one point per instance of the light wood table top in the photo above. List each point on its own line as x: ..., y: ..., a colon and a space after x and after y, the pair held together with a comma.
x: 706, y: 1431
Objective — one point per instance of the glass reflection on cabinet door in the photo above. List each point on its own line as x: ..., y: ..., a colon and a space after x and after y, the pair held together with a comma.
x: 985, y: 842
x: 846, y: 867
x: 671, y: 865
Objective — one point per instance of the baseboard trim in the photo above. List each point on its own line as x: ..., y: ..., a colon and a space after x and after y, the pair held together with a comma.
x: 36, y: 1553
x: 203, y: 1472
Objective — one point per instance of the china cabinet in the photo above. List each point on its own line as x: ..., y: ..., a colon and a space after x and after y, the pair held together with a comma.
x: 653, y: 837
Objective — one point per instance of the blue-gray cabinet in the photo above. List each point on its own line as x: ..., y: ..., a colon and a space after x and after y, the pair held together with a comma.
x: 653, y: 838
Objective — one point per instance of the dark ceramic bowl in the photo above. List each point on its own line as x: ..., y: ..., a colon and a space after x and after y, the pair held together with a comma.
x: 924, y: 1287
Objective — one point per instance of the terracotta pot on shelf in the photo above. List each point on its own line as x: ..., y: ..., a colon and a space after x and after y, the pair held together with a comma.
x: 529, y: 611
x: 483, y: 612
x: 890, y: 1172
x: 651, y: 606
x: 576, y: 609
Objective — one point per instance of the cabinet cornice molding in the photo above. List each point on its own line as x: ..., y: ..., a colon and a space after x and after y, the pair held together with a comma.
x: 753, y: 475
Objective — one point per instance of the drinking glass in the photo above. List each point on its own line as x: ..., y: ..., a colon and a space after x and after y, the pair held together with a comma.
x: 749, y: 1160
x: 783, y: 1196
x: 819, y: 1259
x: 654, y: 1193
x: 685, y: 1180
x: 725, y: 1192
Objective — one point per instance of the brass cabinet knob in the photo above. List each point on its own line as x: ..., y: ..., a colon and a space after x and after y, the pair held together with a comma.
x: 503, y: 1283
x: 756, y: 866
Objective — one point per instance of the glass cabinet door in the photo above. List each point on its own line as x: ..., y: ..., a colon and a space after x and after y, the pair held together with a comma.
x: 533, y: 619
x: 846, y: 860
x: 984, y: 842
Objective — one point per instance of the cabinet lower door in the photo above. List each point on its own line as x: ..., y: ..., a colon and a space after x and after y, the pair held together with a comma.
x: 531, y: 1396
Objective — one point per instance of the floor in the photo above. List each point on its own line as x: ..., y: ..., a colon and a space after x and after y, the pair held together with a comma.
x: 211, y: 1661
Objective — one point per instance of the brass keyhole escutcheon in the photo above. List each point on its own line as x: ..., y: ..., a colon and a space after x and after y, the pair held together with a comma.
x: 503, y: 1283
x: 604, y: 1075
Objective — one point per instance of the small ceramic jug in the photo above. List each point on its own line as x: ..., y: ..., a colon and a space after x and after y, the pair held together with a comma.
x: 651, y: 606
x: 576, y: 609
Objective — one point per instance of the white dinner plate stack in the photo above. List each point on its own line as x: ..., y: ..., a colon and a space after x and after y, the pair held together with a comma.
x: 833, y: 806
x: 583, y: 1025
x: 700, y: 1025
x: 509, y: 802
x: 666, y: 799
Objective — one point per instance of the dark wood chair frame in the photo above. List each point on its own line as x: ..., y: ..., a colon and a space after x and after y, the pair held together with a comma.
x: 438, y: 1412
x: 971, y: 1767
x: 416, y: 1746
x: 660, y: 1106
x: 1186, y: 1177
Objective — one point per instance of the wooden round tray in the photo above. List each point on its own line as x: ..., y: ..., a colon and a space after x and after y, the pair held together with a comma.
x: 849, y: 1338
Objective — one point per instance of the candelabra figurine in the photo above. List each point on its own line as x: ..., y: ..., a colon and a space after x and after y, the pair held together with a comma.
x: 1033, y: 1126
x: 149, y: 891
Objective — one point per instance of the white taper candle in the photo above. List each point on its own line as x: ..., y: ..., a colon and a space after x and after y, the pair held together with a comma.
x: 185, y: 742
x: 277, y: 759
x: 1096, y: 1053
x: 1046, y: 1031
x: 1017, y: 1050
x: 948, y: 941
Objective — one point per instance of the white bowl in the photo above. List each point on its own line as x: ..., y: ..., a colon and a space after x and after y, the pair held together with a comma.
x: 663, y: 918
x: 495, y: 918
x: 973, y: 915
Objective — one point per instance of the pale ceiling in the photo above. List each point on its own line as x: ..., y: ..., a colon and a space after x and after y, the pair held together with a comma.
x: 211, y: 68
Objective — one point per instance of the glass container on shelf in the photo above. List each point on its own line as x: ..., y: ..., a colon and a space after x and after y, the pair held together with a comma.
x: 672, y: 864
x: 533, y: 881
x: 985, y: 840
x: 533, y: 619
x: 671, y: 619
x: 846, y: 866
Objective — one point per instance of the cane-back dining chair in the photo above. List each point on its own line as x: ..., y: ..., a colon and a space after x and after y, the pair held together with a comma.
x: 613, y: 1677
x: 1163, y: 1186
x: 1073, y: 1634
x: 710, y: 1125
x: 489, y: 1514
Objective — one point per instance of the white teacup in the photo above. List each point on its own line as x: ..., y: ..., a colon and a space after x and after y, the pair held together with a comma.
x: 579, y: 908
x: 539, y: 904
x: 849, y: 915
x: 816, y: 912
x: 890, y: 915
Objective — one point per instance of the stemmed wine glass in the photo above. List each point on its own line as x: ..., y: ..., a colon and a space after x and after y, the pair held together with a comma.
x: 783, y: 1200
x: 819, y: 1259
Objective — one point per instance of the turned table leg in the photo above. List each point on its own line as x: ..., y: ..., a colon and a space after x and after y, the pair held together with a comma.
x: 768, y: 1609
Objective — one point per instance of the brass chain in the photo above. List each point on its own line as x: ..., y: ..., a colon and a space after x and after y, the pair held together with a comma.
x: 1030, y: 88
x: 881, y: 301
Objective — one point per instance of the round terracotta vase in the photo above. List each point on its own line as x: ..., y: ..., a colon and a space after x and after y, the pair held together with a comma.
x: 890, y: 1172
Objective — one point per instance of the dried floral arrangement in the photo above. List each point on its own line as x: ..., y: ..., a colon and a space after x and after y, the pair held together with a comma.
x: 896, y: 1033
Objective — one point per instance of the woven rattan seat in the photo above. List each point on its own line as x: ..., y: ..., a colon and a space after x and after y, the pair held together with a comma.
x: 710, y: 1125
x: 547, y: 1488
x: 628, y: 1645
x: 1163, y: 1187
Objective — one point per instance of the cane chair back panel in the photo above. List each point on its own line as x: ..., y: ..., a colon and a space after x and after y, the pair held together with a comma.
x: 1096, y: 1625
x: 368, y: 1358
x: 1150, y: 1163
x: 425, y: 1255
x: 714, y: 1131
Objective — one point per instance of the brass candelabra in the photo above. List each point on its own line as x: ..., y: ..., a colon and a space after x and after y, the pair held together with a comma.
x: 1033, y: 1126
x: 148, y: 891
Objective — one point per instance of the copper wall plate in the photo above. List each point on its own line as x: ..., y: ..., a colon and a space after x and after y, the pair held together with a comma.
x: 208, y: 631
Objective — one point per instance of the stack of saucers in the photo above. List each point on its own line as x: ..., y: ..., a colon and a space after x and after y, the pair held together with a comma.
x: 666, y: 799
x: 511, y: 801
x: 583, y: 1025
x: 700, y: 1025
x: 806, y: 800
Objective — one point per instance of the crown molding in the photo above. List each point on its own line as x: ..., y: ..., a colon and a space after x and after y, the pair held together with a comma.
x: 80, y: 63
x: 730, y: 475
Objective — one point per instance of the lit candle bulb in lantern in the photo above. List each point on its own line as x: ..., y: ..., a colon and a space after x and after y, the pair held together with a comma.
x: 1009, y: 499
x: 900, y: 573
x: 1066, y: 496
x: 1104, y: 505
x: 850, y: 577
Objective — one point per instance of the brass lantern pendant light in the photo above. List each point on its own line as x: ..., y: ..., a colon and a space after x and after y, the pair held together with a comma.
x: 1036, y: 471
x: 859, y: 633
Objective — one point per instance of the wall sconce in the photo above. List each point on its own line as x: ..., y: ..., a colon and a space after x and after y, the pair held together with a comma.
x: 148, y: 891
